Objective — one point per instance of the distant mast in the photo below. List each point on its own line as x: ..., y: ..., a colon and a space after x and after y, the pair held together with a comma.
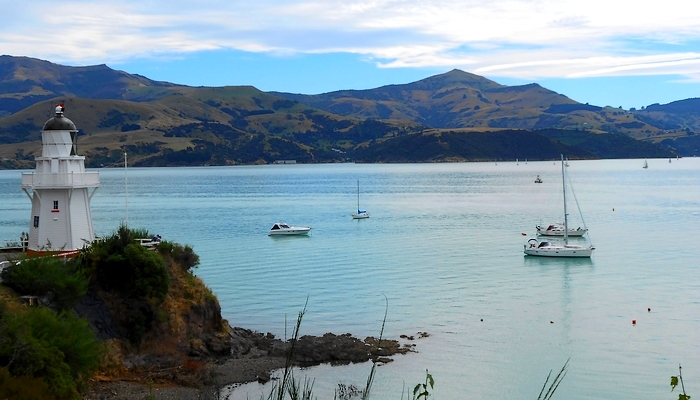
x: 60, y: 191
x: 126, y: 192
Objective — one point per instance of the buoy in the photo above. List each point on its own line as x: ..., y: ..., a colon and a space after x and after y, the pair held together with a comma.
x: 524, y: 234
x: 613, y: 208
x: 649, y: 309
x: 634, y: 322
x: 482, y: 320
x: 551, y: 321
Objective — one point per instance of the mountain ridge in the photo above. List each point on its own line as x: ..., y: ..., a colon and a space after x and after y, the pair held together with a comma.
x: 169, y: 124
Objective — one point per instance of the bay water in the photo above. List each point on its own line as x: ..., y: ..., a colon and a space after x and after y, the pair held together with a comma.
x: 442, y: 253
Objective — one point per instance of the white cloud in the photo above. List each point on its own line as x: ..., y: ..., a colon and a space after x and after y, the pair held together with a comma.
x: 514, y: 38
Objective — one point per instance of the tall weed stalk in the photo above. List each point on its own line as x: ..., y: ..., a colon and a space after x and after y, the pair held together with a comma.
x: 288, y: 385
x: 370, y: 378
x: 555, y: 383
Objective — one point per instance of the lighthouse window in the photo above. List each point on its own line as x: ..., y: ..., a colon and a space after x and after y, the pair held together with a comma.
x: 74, y: 141
x: 36, y: 221
x: 55, y: 204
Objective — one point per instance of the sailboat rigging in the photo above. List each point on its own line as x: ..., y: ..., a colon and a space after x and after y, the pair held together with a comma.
x: 361, y: 214
x: 535, y: 247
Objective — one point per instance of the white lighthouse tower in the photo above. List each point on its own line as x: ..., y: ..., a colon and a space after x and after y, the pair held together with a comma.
x: 61, y: 221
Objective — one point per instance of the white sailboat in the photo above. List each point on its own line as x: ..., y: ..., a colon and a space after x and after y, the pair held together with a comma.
x: 645, y: 166
x: 361, y: 214
x: 535, y: 247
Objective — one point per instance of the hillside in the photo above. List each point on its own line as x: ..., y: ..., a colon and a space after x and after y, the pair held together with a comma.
x: 26, y: 81
x: 458, y: 99
x: 164, y: 124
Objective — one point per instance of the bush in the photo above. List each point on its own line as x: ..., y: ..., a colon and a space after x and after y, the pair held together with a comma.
x: 62, y: 281
x: 150, y: 277
x: 59, y: 348
x: 22, y: 387
x: 184, y: 256
x: 120, y: 264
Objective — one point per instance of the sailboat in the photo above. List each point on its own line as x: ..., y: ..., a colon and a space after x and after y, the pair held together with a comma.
x: 645, y: 166
x: 361, y: 214
x: 535, y: 247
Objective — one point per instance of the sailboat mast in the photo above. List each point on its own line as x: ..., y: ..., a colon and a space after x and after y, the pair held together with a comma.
x: 358, y: 196
x: 566, y: 216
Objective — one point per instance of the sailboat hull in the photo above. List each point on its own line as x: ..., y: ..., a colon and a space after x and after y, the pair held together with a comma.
x: 558, y: 230
x: 560, y: 251
x: 360, y: 216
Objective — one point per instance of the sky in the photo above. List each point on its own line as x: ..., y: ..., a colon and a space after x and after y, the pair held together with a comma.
x: 616, y: 53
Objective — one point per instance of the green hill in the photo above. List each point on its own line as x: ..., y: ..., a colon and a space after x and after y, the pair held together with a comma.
x: 160, y: 123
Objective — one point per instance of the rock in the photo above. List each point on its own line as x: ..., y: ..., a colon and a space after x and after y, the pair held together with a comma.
x: 263, y: 377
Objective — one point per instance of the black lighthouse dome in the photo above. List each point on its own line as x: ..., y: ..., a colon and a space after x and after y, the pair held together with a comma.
x: 59, y: 122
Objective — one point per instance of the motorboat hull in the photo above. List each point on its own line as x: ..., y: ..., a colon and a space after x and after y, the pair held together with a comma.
x: 289, y: 232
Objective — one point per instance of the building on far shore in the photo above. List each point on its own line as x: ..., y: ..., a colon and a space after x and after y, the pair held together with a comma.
x: 60, y: 191
x: 285, y: 162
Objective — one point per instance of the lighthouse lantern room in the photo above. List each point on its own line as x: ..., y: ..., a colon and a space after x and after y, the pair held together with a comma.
x: 60, y: 190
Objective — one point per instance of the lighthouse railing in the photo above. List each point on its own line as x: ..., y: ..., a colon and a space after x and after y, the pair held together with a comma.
x: 60, y: 180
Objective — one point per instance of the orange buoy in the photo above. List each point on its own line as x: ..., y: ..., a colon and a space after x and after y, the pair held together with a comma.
x: 634, y: 322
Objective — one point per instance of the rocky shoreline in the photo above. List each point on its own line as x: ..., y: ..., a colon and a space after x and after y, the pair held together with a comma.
x: 253, y: 357
x: 188, y: 351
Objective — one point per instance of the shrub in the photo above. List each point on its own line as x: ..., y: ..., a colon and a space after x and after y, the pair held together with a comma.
x: 120, y: 264
x: 22, y: 387
x: 60, y: 348
x: 62, y: 281
x: 150, y: 277
x: 184, y: 256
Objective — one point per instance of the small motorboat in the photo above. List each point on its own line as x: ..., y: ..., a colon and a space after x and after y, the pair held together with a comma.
x: 538, y: 179
x: 281, y: 228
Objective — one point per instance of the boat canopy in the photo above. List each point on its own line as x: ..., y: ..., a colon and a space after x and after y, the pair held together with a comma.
x: 279, y: 226
x: 543, y: 244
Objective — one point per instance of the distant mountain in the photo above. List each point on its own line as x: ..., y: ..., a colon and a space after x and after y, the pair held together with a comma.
x: 456, y: 99
x: 26, y: 81
x: 161, y: 123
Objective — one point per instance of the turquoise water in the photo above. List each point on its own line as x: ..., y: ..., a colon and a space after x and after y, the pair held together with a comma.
x: 444, y: 247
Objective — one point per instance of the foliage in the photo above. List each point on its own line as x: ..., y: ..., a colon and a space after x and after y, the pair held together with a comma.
x: 567, y: 108
x: 63, y: 282
x: 184, y: 256
x: 674, y: 383
x: 119, y: 264
x: 123, y: 265
x: 116, y: 117
x: 420, y: 391
x: 23, y: 387
x: 60, y: 348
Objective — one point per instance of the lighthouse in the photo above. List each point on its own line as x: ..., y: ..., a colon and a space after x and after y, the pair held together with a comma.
x: 60, y: 191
